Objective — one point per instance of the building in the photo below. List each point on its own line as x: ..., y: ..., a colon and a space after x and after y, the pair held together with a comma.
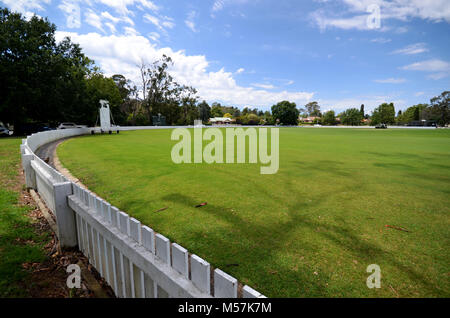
x: 221, y: 121
x: 310, y: 119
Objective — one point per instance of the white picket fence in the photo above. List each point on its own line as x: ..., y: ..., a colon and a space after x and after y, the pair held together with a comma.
x: 131, y: 257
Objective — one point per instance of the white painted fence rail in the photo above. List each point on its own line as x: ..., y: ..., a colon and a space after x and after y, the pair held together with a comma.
x: 134, y: 260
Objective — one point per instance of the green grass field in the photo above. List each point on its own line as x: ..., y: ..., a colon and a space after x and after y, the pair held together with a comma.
x: 310, y: 230
x: 19, y: 242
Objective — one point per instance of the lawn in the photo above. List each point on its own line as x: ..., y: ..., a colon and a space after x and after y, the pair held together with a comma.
x: 310, y: 230
x: 19, y: 242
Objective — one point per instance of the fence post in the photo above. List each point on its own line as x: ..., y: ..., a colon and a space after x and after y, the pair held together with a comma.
x: 30, y: 175
x: 65, y: 216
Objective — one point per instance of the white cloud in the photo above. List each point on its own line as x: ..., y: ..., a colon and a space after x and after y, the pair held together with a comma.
x: 239, y: 71
x: 107, y: 15
x: 434, y: 65
x: 190, y: 25
x: 190, y: 21
x: 381, y: 40
x: 419, y: 94
x: 265, y: 86
x: 149, y: 5
x: 168, y: 23
x: 152, y: 19
x: 93, y: 19
x: 115, y: 20
x: 437, y: 76
x: 72, y: 13
x: 26, y: 6
x: 218, y: 5
x: 129, y: 31
x: 358, y: 22
x: 412, y: 49
x: 439, y: 68
x: 354, y: 15
x: 401, y: 30
x: 121, y: 54
x: 154, y: 36
x: 121, y: 6
x: 111, y: 27
x: 433, y: 10
x: 161, y: 22
x: 391, y: 81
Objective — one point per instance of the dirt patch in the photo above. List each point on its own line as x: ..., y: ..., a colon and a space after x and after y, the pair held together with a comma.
x: 48, y: 279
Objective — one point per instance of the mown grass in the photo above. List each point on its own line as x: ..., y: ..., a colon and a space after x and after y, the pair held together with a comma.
x: 310, y: 230
x: 19, y: 242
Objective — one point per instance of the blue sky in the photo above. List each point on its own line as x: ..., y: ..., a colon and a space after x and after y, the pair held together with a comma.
x: 258, y: 52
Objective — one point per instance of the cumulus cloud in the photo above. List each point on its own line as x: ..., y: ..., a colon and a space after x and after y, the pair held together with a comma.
x: 122, y: 55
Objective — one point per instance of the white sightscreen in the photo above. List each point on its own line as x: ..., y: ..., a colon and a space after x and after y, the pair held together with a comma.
x: 105, y: 118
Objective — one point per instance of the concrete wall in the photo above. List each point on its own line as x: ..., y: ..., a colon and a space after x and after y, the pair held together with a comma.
x: 131, y: 257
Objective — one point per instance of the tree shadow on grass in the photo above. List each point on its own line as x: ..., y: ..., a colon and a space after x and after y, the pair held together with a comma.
x: 327, y: 166
x: 278, y: 235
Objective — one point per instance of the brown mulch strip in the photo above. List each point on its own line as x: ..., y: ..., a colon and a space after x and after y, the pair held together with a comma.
x: 48, y: 279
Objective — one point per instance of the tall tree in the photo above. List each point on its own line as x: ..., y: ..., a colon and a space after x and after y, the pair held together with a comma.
x: 163, y: 94
x: 384, y: 114
x: 204, y: 111
x: 216, y: 110
x: 286, y: 112
x: 412, y: 113
x: 439, y: 109
x: 32, y: 65
x: 351, y: 117
x: 329, y: 118
x: 313, y: 109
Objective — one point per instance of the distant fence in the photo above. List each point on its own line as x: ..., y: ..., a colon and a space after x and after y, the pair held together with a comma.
x: 131, y: 257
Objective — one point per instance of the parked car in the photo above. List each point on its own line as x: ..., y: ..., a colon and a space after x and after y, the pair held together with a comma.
x: 381, y: 126
x: 30, y: 128
x: 70, y: 125
x: 67, y: 126
x: 4, y: 131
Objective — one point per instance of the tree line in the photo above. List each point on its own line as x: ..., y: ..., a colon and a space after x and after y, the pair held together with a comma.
x: 437, y: 111
x: 49, y: 82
